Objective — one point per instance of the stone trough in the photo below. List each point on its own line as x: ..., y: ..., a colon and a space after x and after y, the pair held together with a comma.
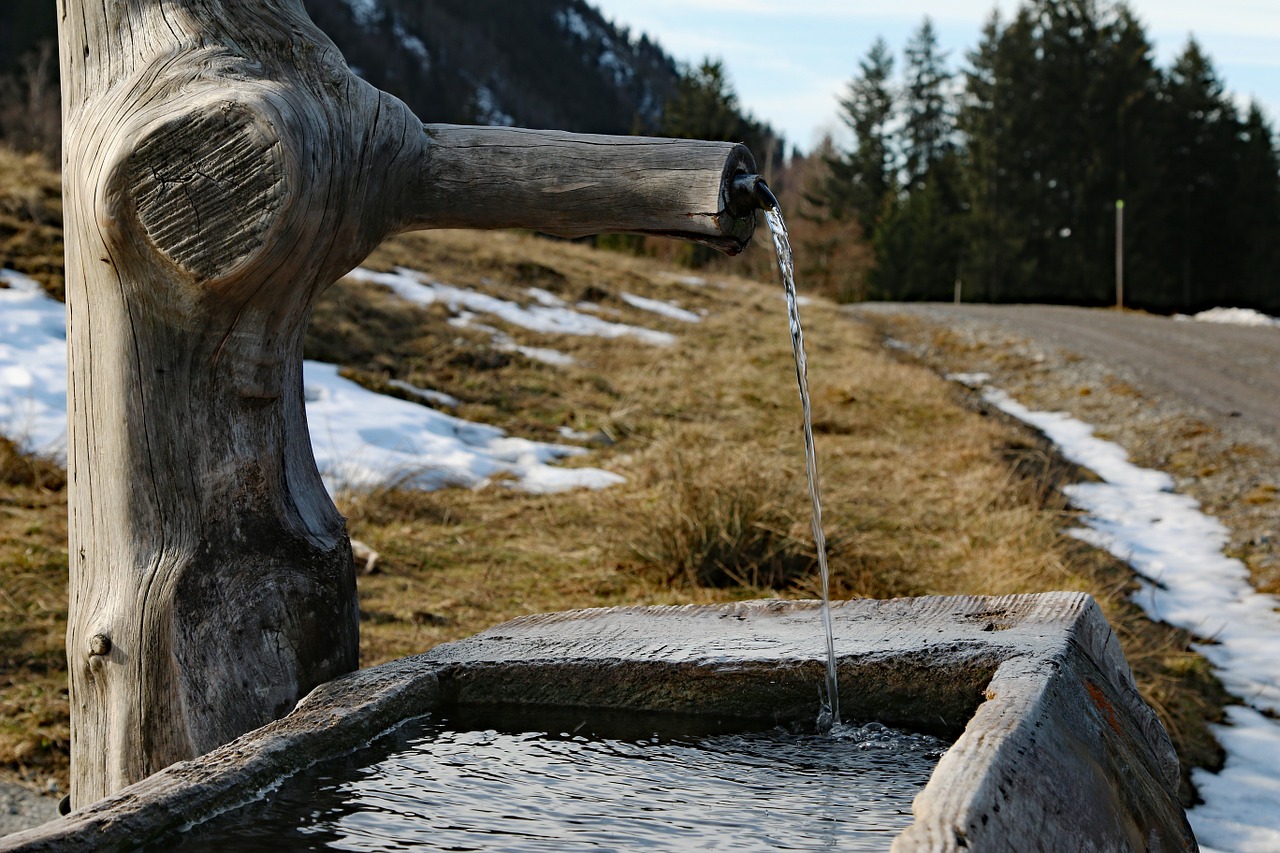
x: 1055, y: 750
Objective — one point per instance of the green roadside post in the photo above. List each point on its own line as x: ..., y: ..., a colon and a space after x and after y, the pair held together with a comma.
x: 1120, y: 254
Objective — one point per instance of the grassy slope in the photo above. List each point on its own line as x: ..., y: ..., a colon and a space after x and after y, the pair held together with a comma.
x: 922, y: 495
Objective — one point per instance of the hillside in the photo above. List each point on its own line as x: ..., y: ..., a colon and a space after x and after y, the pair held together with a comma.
x: 536, y: 63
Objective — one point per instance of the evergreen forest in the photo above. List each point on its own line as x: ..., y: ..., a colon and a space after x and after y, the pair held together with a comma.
x: 1011, y: 179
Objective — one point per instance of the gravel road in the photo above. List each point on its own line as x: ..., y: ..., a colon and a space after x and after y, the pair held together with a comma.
x: 1223, y: 370
x: 22, y: 808
x: 1198, y: 400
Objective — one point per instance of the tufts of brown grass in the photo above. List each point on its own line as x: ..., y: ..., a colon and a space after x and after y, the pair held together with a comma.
x: 34, y: 728
x: 31, y: 219
x: 724, y: 516
x: 21, y: 470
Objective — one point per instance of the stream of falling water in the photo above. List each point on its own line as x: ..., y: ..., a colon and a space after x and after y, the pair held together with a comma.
x: 830, y: 715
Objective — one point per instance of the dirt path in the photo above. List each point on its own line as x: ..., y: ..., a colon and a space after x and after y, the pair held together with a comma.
x: 1198, y: 400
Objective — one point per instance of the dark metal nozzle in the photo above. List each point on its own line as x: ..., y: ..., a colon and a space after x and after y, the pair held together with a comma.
x: 748, y: 193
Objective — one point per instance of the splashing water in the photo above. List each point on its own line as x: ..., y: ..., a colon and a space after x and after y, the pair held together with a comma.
x: 830, y: 715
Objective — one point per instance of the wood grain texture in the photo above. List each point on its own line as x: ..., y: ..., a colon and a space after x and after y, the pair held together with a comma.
x: 572, y: 185
x: 222, y: 167
x: 207, y: 188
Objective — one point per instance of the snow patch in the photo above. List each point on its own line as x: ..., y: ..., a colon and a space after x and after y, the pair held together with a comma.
x: 657, y: 306
x: 1232, y: 316
x: 438, y: 397
x: 554, y: 318
x: 609, y: 59
x: 575, y: 434
x: 1187, y: 581
x: 33, y: 367
x: 363, y: 440
x: 367, y: 13
x: 360, y: 439
x: 969, y: 380
x: 413, y: 44
x: 621, y: 72
x: 572, y: 22
x: 489, y: 111
x: 546, y: 355
x: 688, y: 280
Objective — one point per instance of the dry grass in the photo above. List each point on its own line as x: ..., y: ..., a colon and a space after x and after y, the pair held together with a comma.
x: 922, y: 496
x: 723, y: 516
x: 34, y: 731
x: 31, y: 218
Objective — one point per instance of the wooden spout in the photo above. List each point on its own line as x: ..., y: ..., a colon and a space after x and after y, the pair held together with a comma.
x: 572, y: 185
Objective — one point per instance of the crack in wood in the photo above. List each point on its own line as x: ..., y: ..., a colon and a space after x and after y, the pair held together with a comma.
x: 231, y: 179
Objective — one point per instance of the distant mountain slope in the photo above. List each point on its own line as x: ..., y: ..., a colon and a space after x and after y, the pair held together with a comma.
x: 535, y: 63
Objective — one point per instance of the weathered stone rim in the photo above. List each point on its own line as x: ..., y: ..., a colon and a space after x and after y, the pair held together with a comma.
x: 1055, y: 742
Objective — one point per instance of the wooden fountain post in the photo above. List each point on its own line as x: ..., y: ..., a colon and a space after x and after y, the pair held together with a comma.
x: 222, y: 167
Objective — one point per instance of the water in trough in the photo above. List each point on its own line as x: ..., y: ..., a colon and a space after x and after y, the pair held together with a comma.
x: 517, y: 780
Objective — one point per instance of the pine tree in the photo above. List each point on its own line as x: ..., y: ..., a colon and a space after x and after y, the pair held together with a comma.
x: 916, y: 235
x: 992, y: 266
x: 1054, y: 104
x: 861, y: 178
x: 706, y: 106
x: 1256, y: 216
x: 928, y: 120
x: 918, y: 239
x: 1199, y: 138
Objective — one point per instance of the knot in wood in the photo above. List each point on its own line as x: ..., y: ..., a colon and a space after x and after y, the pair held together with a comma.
x: 207, y: 187
x: 99, y: 645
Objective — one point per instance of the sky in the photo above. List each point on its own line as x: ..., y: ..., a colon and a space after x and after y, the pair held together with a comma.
x: 790, y: 60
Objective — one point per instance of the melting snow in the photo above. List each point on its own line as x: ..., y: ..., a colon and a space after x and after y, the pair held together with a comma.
x: 571, y: 21
x: 575, y: 434
x: 33, y: 367
x: 413, y: 44
x: 367, y: 13
x: 550, y: 315
x: 437, y: 397
x: 360, y: 439
x: 687, y: 280
x: 657, y: 306
x: 488, y: 109
x: 1232, y: 316
x: 969, y: 380
x: 1187, y: 581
